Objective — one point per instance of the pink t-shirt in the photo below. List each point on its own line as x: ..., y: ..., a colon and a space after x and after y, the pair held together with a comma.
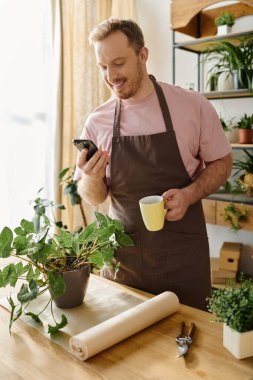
x: 197, y: 126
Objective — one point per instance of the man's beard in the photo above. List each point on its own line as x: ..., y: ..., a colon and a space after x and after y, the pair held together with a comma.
x: 134, y: 85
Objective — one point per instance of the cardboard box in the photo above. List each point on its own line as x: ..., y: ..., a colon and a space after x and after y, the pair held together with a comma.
x: 220, y: 276
x: 229, y: 256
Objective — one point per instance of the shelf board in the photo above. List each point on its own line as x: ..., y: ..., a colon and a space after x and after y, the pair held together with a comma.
x: 239, y: 93
x: 201, y: 44
x: 242, y: 146
x: 234, y: 198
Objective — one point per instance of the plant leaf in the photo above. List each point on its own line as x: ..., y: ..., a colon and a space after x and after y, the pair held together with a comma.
x: 35, y: 317
x: 6, y: 238
x: 125, y: 240
x: 62, y: 173
x: 20, y: 243
x: 7, y: 273
x: 58, y: 326
x: 86, y: 233
x: 102, y: 220
x: 27, y: 226
x: 28, y: 294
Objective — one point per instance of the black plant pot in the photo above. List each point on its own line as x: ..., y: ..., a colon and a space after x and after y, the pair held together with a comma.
x: 76, y: 285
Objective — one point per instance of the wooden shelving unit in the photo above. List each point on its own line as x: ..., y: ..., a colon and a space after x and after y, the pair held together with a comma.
x: 192, y: 19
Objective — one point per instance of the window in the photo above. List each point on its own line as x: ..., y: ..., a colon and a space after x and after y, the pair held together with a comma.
x: 24, y: 126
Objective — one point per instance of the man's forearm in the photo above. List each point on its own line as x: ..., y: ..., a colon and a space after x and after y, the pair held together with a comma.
x: 213, y: 176
x: 93, y: 192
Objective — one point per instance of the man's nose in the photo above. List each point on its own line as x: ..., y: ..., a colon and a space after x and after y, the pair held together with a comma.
x: 110, y: 74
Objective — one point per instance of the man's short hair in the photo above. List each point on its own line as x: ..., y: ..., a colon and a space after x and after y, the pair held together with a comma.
x: 129, y: 27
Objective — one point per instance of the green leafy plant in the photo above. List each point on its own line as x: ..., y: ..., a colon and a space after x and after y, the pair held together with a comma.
x: 234, y: 215
x: 44, y: 246
x: 225, y: 18
x: 227, y: 125
x: 245, y: 168
x: 66, y: 177
x: 246, y: 122
x: 244, y: 165
x: 229, y: 58
x: 233, y: 305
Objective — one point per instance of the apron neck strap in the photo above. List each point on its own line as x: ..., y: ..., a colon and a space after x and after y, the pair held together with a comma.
x: 116, y: 124
x: 163, y: 105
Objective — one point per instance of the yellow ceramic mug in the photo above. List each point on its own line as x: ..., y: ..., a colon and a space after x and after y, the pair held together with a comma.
x: 153, y: 212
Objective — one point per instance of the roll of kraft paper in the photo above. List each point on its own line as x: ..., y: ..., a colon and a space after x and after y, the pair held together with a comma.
x: 115, y: 329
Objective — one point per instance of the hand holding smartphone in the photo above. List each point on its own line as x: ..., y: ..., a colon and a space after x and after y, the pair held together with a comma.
x: 85, y: 144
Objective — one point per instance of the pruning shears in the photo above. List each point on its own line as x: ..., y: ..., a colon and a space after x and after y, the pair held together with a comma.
x: 184, y: 340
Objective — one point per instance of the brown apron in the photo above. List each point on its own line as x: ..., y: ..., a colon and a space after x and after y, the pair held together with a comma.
x: 177, y: 257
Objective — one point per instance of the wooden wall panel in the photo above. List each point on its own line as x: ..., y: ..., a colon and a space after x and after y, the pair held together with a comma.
x: 209, y: 207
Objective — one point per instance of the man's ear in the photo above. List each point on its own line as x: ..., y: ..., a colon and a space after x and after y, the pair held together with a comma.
x: 143, y: 55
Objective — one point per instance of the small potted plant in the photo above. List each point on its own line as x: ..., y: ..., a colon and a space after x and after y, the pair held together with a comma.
x: 229, y: 129
x: 50, y: 259
x: 233, y: 306
x: 245, y: 129
x: 245, y: 166
x: 224, y: 23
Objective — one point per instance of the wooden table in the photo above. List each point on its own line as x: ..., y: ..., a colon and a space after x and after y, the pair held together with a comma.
x: 148, y: 355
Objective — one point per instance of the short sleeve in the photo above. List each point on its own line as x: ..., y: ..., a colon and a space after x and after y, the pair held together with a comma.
x: 213, y: 141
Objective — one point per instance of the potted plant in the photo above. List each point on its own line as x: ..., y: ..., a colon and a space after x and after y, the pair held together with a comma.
x: 224, y: 23
x: 235, y: 61
x: 47, y: 256
x: 245, y: 166
x: 229, y: 129
x: 233, y: 306
x: 234, y: 215
x: 245, y: 129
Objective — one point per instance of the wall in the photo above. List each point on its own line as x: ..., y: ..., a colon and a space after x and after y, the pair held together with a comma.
x: 154, y: 19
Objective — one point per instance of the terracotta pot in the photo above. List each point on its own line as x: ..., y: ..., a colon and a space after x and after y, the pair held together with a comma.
x: 76, y: 286
x: 239, y: 344
x: 245, y: 136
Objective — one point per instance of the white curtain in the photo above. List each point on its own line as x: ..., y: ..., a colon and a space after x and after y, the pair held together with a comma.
x: 24, y: 128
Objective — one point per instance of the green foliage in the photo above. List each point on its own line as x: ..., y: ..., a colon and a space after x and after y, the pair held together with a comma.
x: 234, y: 216
x: 44, y: 246
x: 245, y: 165
x: 70, y: 188
x: 225, y: 18
x: 246, y: 122
x: 227, y: 58
x: 227, y: 125
x: 233, y: 305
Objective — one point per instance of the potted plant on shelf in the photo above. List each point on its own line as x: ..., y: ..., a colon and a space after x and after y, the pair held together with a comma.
x: 245, y: 166
x: 231, y: 60
x: 233, y: 306
x: 245, y: 129
x: 224, y: 23
x: 49, y: 257
x: 229, y: 129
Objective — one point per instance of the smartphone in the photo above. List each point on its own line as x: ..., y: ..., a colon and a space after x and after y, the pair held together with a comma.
x: 88, y: 144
